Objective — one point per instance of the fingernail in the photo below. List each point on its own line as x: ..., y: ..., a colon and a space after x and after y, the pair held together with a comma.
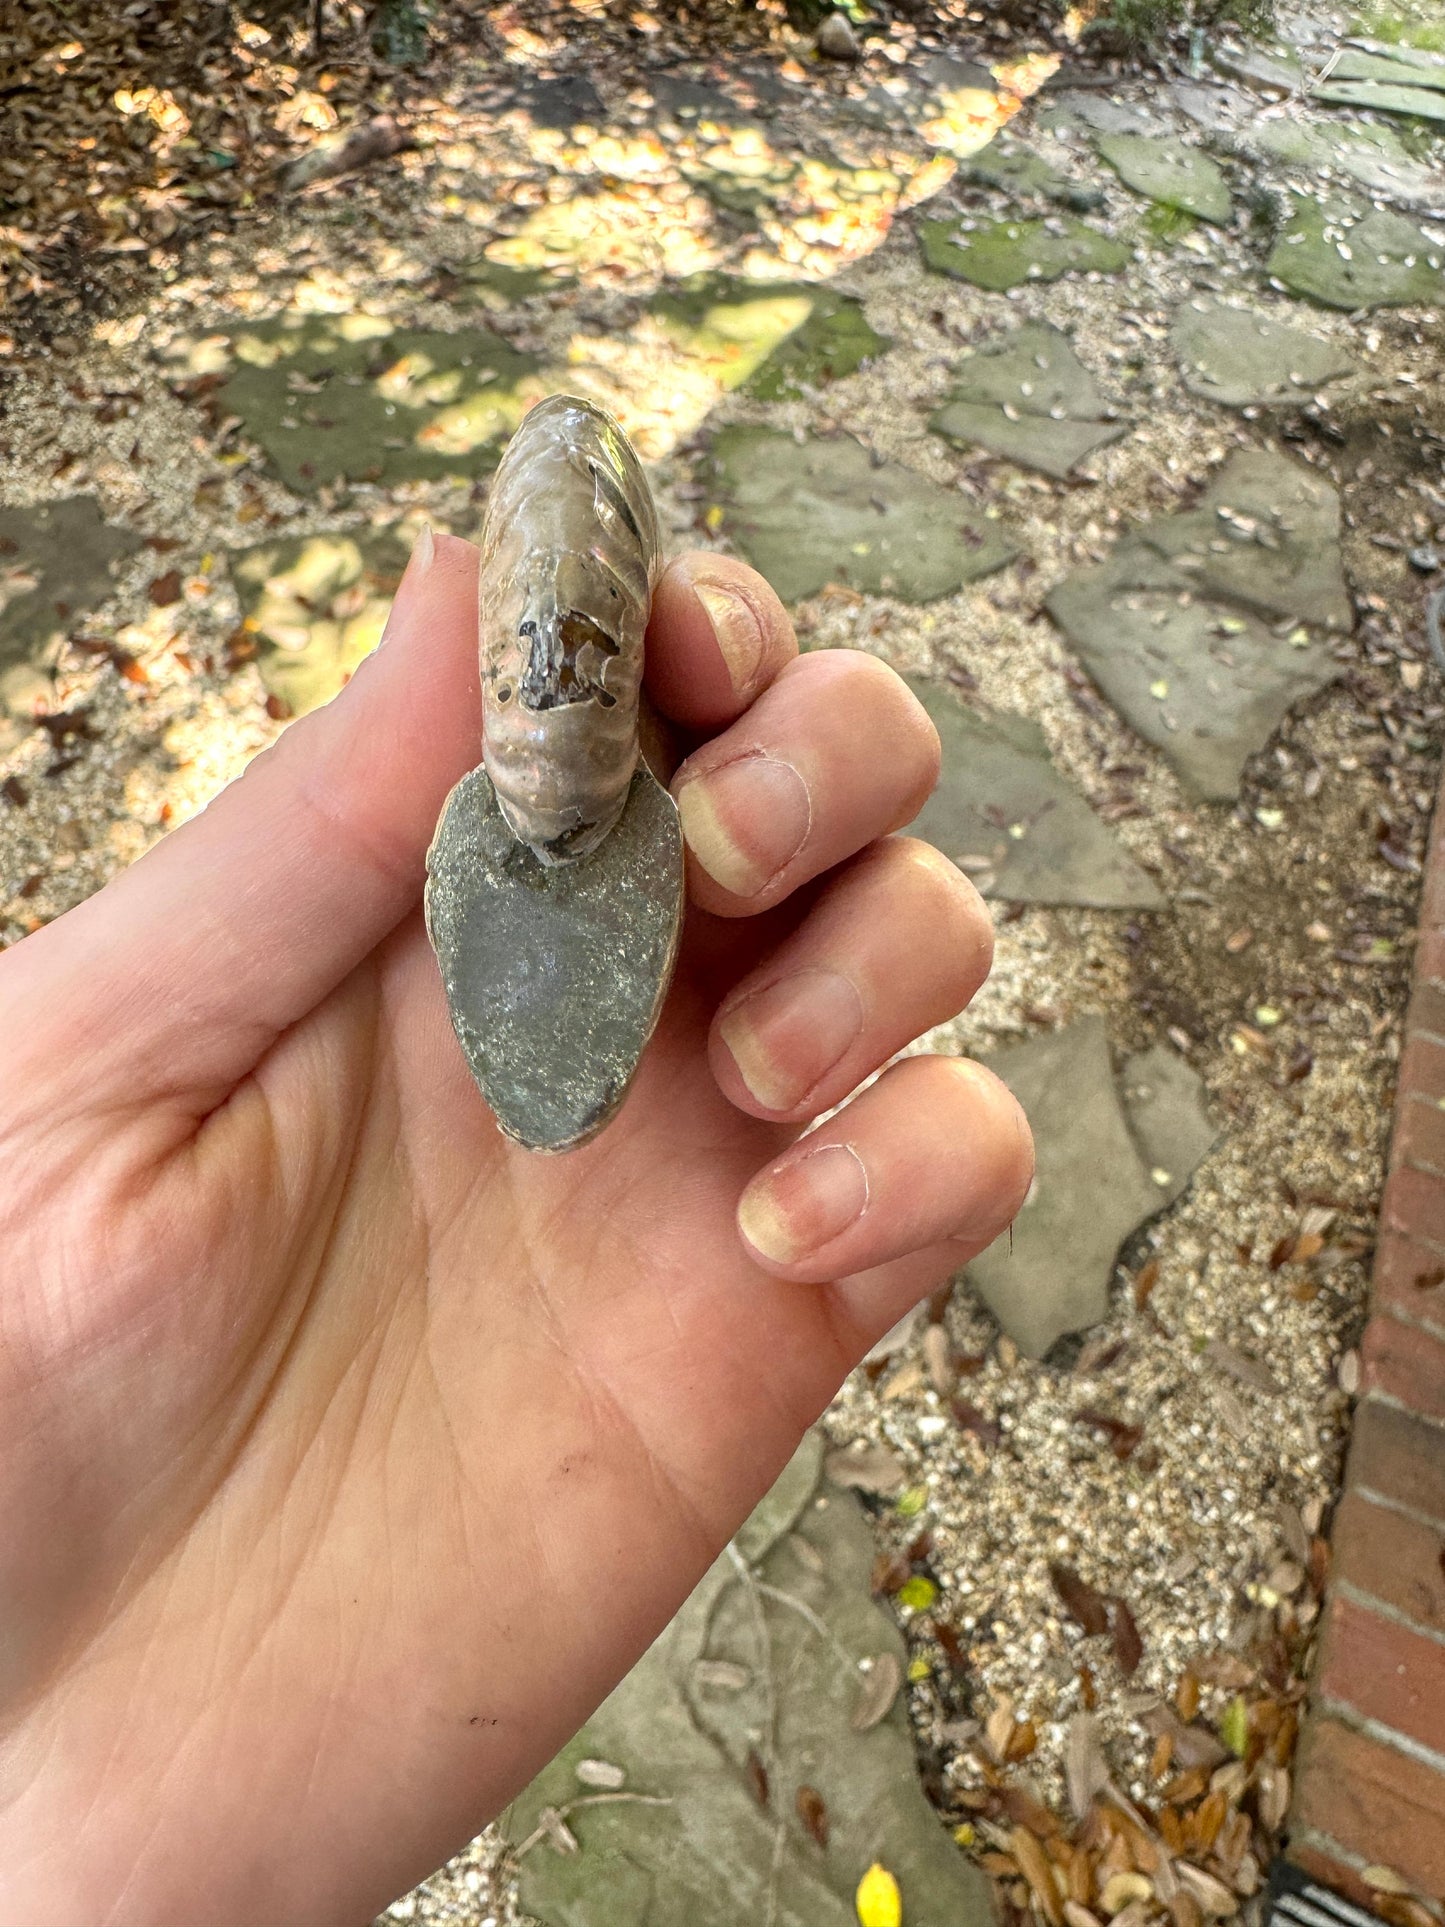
x: 802, y: 1205
x: 786, y: 1038
x: 423, y: 549
x: 736, y: 631
x: 745, y: 821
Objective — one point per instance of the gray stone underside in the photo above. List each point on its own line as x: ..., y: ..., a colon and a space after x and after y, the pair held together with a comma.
x: 1242, y: 359
x: 1027, y: 396
x: 738, y: 1670
x: 554, y: 975
x: 810, y: 513
x: 1111, y: 1153
x: 1201, y: 634
x: 1004, y: 814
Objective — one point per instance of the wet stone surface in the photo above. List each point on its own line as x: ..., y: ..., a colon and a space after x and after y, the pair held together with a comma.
x: 743, y: 1782
x: 818, y: 511
x: 1028, y: 396
x: 554, y: 975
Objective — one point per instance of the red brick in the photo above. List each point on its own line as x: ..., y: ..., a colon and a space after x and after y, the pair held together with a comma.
x: 1422, y: 1067
x: 1407, y: 1364
x: 1374, y: 1802
x: 1335, y: 1873
x: 1409, y: 1279
x: 1427, y: 1007
x: 1430, y: 952
x: 1385, y: 1672
x: 1415, y: 1204
x: 1419, y: 1138
x: 1390, y: 1557
x: 1402, y: 1458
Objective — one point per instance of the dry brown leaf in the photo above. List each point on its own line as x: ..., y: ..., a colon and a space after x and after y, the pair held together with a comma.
x: 1035, y: 1868
x: 1087, y: 1608
x: 1086, y: 1772
x: 1128, y: 1646
x: 879, y: 1689
x: 813, y: 1812
x: 866, y: 1468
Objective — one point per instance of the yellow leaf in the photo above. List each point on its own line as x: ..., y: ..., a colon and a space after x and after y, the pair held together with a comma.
x: 878, y: 1900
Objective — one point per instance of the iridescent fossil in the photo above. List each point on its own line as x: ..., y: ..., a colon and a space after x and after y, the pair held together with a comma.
x: 569, y: 556
x: 555, y: 880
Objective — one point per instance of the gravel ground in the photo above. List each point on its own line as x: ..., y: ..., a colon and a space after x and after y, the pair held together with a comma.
x: 1280, y: 968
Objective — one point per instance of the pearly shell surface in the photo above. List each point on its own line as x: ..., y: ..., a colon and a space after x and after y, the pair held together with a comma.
x: 570, y: 553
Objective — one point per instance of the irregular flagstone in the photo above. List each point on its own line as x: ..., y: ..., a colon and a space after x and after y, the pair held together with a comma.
x: 1344, y: 258
x: 1164, y: 1103
x: 350, y: 397
x: 316, y: 605
x: 1024, y: 173
x: 1081, y: 107
x: 1170, y: 172
x: 1266, y: 534
x: 1242, y: 359
x: 1278, y: 72
x: 741, y: 1674
x: 1356, y: 64
x: 1372, y: 156
x: 56, y: 562
x: 1002, y: 254
x: 1421, y: 103
x: 819, y: 511
x: 1093, y: 1186
x: 772, y: 337
x: 1203, y: 682
x: 1006, y: 816
x: 1027, y: 395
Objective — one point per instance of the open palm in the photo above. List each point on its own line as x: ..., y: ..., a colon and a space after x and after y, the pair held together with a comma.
x: 350, y: 1454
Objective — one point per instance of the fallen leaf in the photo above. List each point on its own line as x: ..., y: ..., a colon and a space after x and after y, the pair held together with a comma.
x: 813, y: 1813
x: 878, y: 1903
x: 1128, y: 1646
x: 1123, y: 1438
x: 1087, y: 1608
x: 166, y: 589
x: 757, y: 1777
x: 1035, y: 1868
x: 1234, y: 1727
x: 880, y: 1687
x: 866, y: 1468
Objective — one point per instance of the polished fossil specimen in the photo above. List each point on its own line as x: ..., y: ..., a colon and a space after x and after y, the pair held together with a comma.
x: 555, y: 880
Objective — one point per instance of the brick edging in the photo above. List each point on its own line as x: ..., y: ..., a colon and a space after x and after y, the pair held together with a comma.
x: 1368, y: 1815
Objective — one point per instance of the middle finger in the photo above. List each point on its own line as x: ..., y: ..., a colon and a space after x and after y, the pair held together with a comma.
x: 836, y: 753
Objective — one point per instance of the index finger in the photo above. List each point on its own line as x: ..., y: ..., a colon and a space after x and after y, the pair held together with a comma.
x: 717, y: 637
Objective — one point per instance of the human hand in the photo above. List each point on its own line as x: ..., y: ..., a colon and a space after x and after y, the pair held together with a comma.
x: 349, y: 1454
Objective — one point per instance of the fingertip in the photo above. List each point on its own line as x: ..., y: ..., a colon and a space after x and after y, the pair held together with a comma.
x: 717, y: 636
